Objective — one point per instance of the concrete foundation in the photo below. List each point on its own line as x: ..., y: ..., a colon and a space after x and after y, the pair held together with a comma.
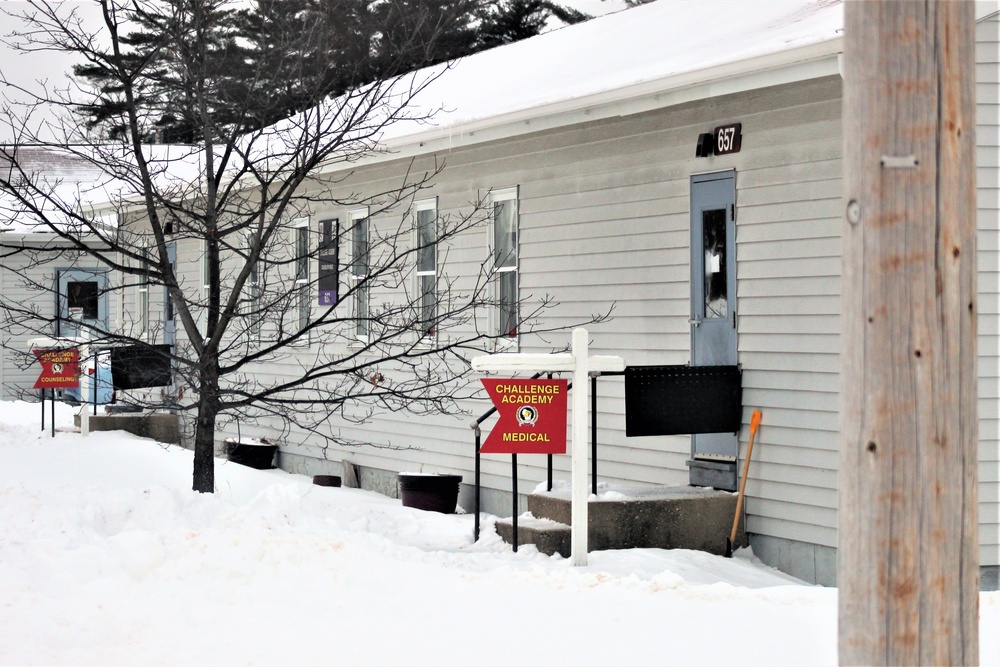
x: 659, y: 517
x: 159, y: 426
x: 813, y: 563
x: 358, y: 476
x: 817, y: 564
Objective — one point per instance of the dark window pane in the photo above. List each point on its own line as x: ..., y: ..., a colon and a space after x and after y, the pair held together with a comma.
x: 504, y: 235
x: 508, y: 304
x: 360, y: 249
x: 716, y: 298
x: 81, y: 299
x: 426, y: 240
x: 428, y: 303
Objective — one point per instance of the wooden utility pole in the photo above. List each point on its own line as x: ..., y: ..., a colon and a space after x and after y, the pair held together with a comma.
x: 908, y: 568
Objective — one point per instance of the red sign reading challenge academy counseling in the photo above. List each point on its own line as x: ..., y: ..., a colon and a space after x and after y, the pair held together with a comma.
x: 532, y: 417
x: 60, y: 369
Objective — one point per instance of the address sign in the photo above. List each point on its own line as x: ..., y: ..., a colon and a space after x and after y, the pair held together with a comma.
x: 728, y: 138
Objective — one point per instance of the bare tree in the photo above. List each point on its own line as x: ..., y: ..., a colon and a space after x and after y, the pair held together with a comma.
x: 234, y: 200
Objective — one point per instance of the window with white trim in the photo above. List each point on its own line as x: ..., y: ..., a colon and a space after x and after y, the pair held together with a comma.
x: 426, y: 222
x: 206, y: 274
x: 252, y: 306
x: 142, y: 294
x: 301, y: 267
x: 504, y: 224
x: 357, y: 272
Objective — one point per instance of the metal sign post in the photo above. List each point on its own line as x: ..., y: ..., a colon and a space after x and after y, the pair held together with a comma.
x: 580, y: 363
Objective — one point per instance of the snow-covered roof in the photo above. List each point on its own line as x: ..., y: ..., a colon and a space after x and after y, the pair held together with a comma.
x: 87, y: 180
x: 54, y: 176
x: 652, y: 56
x: 656, y: 54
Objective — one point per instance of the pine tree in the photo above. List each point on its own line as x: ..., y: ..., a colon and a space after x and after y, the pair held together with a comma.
x: 301, y: 51
x: 274, y: 58
x: 508, y: 21
x: 193, y: 40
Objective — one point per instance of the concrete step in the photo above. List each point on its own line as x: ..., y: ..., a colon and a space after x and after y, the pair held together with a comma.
x: 679, y: 517
x: 160, y: 426
x: 549, y: 537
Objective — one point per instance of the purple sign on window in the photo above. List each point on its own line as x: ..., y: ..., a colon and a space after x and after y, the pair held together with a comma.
x: 329, y: 263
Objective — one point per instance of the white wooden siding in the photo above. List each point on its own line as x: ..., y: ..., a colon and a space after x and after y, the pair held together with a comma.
x: 988, y: 258
x: 18, y: 379
x: 604, y: 219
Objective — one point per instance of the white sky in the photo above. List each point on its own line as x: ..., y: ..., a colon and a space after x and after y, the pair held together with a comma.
x: 27, y: 70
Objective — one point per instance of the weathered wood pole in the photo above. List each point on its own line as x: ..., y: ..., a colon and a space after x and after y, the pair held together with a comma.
x: 908, y: 547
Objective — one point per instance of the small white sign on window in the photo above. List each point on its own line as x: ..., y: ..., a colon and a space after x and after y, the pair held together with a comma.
x: 713, y: 264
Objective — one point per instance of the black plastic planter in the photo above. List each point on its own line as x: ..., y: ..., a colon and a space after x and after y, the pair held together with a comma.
x: 433, y: 493
x: 326, y: 480
x: 260, y: 457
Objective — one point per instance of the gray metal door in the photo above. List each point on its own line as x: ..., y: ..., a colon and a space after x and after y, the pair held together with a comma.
x: 82, y: 303
x: 713, y: 292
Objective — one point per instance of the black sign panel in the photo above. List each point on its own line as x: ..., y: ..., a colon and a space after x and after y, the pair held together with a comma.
x: 138, y: 366
x: 728, y: 138
x: 329, y: 262
x: 671, y: 400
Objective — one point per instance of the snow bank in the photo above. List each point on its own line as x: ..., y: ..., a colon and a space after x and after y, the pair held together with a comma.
x: 107, y: 557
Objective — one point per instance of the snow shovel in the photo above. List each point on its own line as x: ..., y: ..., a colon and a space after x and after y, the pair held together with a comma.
x: 754, y: 424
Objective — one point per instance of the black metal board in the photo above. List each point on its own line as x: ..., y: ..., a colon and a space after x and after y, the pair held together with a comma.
x: 670, y: 400
x: 138, y: 366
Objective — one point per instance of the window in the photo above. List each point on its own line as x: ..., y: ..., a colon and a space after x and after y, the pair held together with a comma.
x: 81, y: 299
x: 504, y: 243
x: 252, y: 306
x: 301, y: 267
x: 206, y: 282
x: 169, y: 322
x: 206, y: 274
x: 142, y: 293
x: 328, y: 275
x: 426, y: 239
x: 358, y: 270
x: 714, y: 242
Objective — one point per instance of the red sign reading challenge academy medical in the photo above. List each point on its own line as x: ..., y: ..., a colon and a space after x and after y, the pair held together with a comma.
x: 532, y: 417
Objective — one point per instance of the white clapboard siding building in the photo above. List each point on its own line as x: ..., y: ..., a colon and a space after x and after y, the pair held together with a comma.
x: 61, y: 291
x: 593, y: 132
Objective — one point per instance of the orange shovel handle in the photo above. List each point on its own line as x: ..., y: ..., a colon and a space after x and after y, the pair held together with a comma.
x: 754, y: 425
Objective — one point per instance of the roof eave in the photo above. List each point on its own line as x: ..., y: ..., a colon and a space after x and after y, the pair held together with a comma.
x: 813, y: 61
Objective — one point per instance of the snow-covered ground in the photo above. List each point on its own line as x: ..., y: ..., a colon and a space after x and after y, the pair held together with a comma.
x: 107, y: 557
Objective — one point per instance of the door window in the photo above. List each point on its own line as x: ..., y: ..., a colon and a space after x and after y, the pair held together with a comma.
x: 81, y: 299
x: 716, y: 293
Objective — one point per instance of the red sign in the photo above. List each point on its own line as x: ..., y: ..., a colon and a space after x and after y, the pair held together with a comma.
x: 532, y: 417
x: 60, y: 369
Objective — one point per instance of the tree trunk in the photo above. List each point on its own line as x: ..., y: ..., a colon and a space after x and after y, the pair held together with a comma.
x: 908, y: 553
x: 204, y: 436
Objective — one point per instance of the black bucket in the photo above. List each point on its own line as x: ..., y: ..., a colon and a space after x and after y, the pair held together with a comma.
x: 433, y: 493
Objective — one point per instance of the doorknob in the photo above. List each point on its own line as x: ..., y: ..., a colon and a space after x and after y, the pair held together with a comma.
x: 695, y: 321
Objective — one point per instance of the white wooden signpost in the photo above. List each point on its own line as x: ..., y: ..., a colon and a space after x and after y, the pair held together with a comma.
x: 581, y: 364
